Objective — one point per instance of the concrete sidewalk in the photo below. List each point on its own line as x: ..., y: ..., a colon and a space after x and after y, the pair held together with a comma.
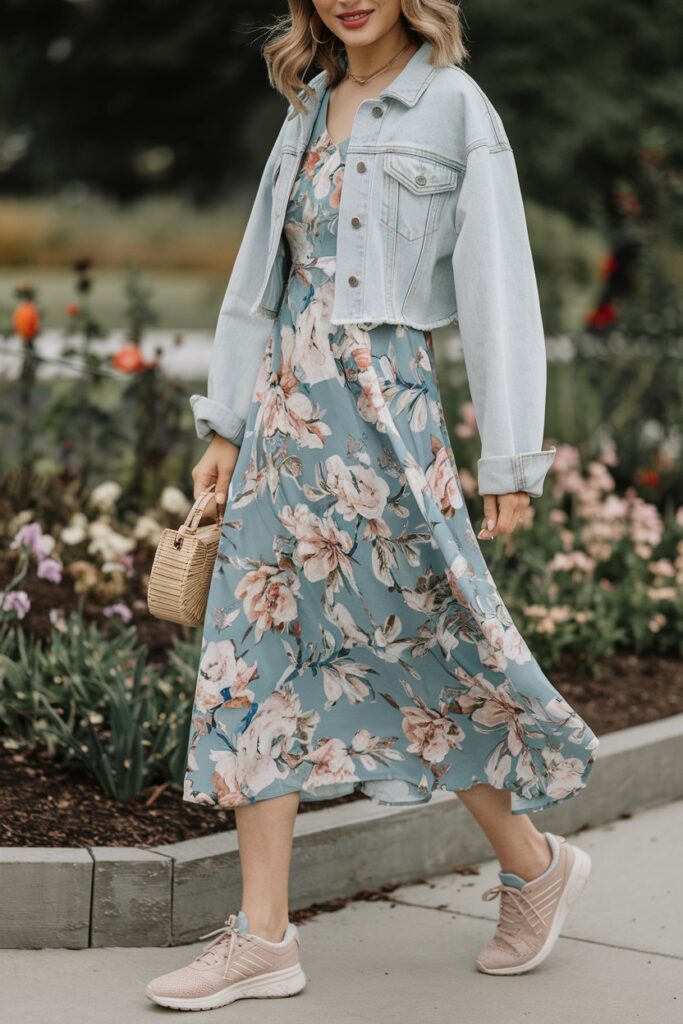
x: 409, y: 960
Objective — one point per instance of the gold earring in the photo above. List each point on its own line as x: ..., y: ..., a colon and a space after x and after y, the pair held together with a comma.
x: 313, y: 35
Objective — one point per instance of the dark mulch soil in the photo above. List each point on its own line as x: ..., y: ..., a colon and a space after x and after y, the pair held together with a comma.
x: 41, y: 804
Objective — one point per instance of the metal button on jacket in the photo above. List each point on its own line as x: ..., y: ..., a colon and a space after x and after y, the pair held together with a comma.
x: 360, y: 166
x: 355, y: 222
x: 377, y: 111
x: 353, y: 281
x: 420, y: 180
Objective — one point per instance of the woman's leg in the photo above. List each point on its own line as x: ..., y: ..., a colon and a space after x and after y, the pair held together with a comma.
x: 265, y: 831
x: 518, y: 844
x: 241, y: 962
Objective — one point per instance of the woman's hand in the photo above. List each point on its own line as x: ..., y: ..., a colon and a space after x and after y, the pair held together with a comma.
x: 502, y: 513
x: 216, y: 466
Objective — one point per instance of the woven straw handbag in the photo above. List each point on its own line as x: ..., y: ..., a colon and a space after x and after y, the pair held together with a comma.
x: 180, y: 578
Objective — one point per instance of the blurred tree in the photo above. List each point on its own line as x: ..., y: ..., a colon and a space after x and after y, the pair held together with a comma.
x: 577, y: 86
x: 133, y: 96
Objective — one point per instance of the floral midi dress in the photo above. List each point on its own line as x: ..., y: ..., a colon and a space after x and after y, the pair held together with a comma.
x: 354, y: 637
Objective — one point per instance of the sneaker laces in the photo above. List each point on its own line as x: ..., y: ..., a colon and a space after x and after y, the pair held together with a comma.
x: 515, y: 906
x: 227, y: 933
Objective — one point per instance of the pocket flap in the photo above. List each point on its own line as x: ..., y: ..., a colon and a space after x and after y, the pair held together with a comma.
x: 420, y: 174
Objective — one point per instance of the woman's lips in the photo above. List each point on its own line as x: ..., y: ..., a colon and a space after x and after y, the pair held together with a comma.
x: 355, y: 19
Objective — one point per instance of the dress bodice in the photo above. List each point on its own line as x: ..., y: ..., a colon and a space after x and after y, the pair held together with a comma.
x: 313, y: 208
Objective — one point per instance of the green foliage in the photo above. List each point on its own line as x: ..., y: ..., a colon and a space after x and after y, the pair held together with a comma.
x: 576, y: 87
x: 130, y: 424
x: 93, y: 697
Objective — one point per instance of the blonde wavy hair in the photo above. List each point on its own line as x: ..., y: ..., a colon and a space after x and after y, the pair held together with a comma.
x: 291, y: 47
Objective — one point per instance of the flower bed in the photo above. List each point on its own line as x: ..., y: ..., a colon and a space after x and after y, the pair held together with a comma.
x: 95, y: 694
x: 47, y: 804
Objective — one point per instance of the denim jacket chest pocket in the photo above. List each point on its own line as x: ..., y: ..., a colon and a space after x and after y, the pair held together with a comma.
x: 415, y: 189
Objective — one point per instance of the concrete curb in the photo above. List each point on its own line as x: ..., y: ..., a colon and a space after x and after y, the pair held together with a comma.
x: 111, y: 896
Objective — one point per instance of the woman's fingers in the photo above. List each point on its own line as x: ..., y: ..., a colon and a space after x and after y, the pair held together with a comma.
x: 216, y: 467
x: 202, y: 477
x: 490, y: 516
x: 509, y: 511
x: 222, y: 484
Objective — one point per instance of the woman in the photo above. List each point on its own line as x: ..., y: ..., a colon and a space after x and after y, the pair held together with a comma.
x: 354, y: 637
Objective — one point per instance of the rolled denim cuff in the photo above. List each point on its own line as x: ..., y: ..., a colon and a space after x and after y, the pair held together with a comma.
x: 526, y: 471
x: 213, y: 418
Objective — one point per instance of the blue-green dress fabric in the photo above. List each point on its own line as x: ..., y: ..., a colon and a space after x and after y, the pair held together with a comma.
x: 354, y: 636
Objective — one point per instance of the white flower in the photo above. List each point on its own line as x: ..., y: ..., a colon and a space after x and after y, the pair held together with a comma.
x: 106, y: 542
x: 20, y: 519
x: 105, y: 495
x: 174, y: 502
x: 147, y: 529
x: 76, y: 531
x: 58, y: 619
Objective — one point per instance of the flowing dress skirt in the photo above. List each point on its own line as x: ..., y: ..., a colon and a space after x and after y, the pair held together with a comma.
x: 354, y: 636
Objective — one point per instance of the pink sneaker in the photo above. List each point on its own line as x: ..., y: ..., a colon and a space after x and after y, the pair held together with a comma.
x: 236, y: 965
x: 532, y: 913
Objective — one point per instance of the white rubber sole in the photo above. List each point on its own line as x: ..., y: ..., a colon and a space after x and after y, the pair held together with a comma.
x: 578, y: 877
x: 266, y: 986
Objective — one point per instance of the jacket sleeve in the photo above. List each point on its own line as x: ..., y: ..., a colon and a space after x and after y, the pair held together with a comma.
x: 499, y: 318
x: 240, y: 337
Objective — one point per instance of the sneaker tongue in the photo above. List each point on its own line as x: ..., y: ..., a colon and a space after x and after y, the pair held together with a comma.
x: 510, y: 878
x: 242, y: 922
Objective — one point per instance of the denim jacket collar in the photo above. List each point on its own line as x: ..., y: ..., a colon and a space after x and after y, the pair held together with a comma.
x: 407, y: 87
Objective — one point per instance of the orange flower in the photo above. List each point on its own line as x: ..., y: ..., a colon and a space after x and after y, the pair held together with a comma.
x: 129, y: 360
x: 73, y: 309
x: 26, y: 320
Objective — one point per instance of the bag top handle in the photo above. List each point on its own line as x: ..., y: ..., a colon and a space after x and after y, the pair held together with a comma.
x: 194, y: 516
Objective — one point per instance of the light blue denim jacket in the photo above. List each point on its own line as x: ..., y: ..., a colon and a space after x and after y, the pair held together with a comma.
x: 440, y: 236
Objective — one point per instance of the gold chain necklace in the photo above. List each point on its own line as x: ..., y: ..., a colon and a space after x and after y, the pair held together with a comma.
x: 362, y: 80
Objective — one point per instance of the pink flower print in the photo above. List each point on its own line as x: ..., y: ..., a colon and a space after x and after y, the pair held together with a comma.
x: 269, y: 744
x: 430, y: 731
x: 441, y: 480
x: 493, y: 707
x: 287, y: 410
x: 370, y: 749
x: 312, y: 353
x: 312, y: 160
x: 331, y: 765
x: 269, y: 595
x: 321, y: 547
x: 565, y: 774
x: 220, y: 669
x: 345, y: 678
x: 335, y: 194
x: 225, y: 778
x: 358, y: 489
x: 350, y: 631
x: 356, y: 342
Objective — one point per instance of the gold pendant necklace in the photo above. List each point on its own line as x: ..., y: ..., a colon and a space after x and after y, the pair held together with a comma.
x: 361, y: 80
